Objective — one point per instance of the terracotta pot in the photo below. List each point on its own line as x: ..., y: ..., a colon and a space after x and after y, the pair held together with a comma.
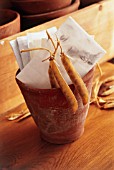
x: 9, y: 23
x: 29, y: 7
x: 33, y: 20
x: 52, y: 113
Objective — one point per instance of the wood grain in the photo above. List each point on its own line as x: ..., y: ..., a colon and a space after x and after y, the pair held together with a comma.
x: 21, y: 147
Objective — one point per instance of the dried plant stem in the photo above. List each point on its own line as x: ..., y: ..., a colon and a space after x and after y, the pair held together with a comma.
x: 55, y: 46
x: 52, y: 78
x: 99, y: 68
x: 46, y: 58
x: 49, y: 37
x: 39, y: 48
x: 52, y: 56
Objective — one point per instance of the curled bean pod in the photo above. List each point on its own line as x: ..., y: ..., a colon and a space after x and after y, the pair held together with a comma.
x: 64, y: 86
x: 108, y: 105
x: 75, y: 78
x: 108, y: 92
x: 52, y: 78
x: 108, y: 79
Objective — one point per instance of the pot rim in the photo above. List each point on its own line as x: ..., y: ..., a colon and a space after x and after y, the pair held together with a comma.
x: 54, y: 90
x: 17, y: 17
x: 73, y: 5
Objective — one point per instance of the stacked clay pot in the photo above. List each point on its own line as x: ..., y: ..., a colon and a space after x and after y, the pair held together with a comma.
x: 35, y: 12
x: 9, y: 23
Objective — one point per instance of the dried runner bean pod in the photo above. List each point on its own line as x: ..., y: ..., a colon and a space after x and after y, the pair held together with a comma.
x: 101, y: 101
x: 53, y: 81
x: 64, y: 86
x: 109, y: 99
x: 108, y: 105
x: 108, y: 92
x: 108, y: 79
x: 96, y: 86
x: 95, y: 90
x: 75, y: 78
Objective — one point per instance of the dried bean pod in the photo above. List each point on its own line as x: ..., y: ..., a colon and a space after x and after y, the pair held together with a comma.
x: 53, y: 81
x: 108, y: 105
x: 95, y: 90
x: 75, y: 78
x: 109, y: 99
x: 108, y: 92
x: 101, y: 101
x: 108, y: 79
x: 64, y: 86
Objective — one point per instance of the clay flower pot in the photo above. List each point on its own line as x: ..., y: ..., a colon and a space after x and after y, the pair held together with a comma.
x: 9, y: 23
x: 33, y: 20
x: 52, y: 113
x: 29, y: 7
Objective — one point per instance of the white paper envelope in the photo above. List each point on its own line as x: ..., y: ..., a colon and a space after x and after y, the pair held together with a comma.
x: 35, y: 39
x: 17, y: 54
x: 23, y: 44
x: 35, y: 73
x: 78, y: 44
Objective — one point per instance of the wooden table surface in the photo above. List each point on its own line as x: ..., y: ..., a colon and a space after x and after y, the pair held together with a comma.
x: 21, y: 147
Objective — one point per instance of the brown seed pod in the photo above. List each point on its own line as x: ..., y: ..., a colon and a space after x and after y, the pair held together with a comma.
x: 109, y: 99
x: 52, y: 78
x: 64, y: 86
x: 102, y: 87
x: 53, y: 81
x: 108, y: 105
x: 108, y: 79
x: 108, y: 92
x: 105, y: 102
x: 95, y: 90
x: 75, y: 78
x: 96, y: 86
x: 101, y: 100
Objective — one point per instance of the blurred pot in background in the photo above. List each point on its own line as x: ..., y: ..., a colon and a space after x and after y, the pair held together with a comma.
x: 9, y: 23
x: 29, y: 21
x: 30, y: 7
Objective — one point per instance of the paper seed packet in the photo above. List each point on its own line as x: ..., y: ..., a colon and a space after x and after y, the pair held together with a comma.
x: 82, y: 49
